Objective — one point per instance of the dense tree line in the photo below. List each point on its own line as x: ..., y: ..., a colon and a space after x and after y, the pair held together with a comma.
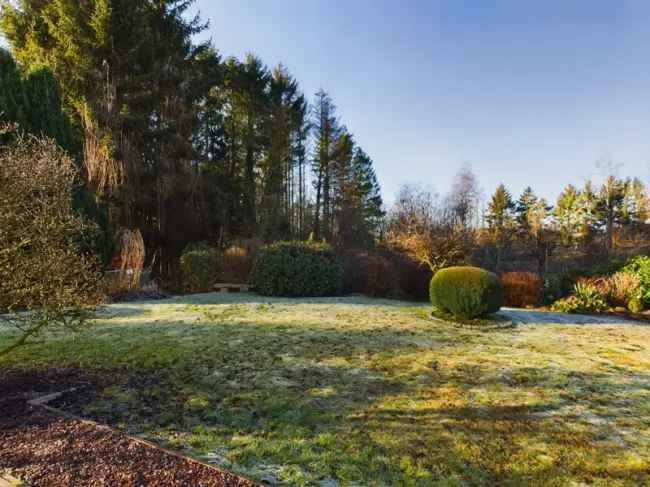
x: 181, y: 143
x: 185, y: 145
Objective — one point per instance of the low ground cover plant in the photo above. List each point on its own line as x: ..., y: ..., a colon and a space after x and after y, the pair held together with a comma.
x: 466, y: 292
x: 297, y: 269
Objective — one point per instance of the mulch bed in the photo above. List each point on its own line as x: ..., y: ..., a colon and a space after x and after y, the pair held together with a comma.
x: 47, y: 449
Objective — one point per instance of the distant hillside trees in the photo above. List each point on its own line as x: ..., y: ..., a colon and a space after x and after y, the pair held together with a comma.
x: 591, y: 221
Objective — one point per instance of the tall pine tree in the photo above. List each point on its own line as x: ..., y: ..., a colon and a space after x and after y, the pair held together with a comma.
x: 500, y: 220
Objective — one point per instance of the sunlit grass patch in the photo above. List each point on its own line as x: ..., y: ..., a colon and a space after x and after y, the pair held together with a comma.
x: 355, y: 391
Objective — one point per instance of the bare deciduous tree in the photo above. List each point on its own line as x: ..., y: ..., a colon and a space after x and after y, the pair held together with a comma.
x: 421, y: 226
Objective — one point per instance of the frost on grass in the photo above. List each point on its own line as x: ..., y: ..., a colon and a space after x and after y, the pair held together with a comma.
x: 356, y: 391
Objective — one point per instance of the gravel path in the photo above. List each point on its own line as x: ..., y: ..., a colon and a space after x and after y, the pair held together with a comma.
x: 524, y: 316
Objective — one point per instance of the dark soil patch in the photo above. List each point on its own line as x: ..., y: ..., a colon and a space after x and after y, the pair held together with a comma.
x: 47, y: 449
x: 29, y: 383
x: 139, y: 295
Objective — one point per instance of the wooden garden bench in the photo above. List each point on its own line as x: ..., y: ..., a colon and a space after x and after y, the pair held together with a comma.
x: 227, y: 287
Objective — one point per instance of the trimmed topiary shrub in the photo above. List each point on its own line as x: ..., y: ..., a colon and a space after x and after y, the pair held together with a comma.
x: 200, y: 265
x: 466, y: 292
x: 297, y: 269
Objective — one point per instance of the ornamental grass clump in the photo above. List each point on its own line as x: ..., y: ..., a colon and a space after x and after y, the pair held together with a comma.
x: 295, y: 269
x: 466, y: 292
x: 586, y: 298
x: 601, y: 293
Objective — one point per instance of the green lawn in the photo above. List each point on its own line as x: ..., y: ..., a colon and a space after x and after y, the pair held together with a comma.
x: 355, y: 391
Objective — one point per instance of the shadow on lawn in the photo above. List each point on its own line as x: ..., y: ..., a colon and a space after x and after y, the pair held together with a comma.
x: 285, y: 387
x: 254, y: 298
x: 207, y: 301
x: 242, y: 377
x: 483, y: 444
x: 574, y: 437
x: 526, y: 316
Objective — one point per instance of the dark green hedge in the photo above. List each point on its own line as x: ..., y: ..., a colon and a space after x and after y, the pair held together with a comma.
x: 297, y: 269
x: 200, y: 266
x: 466, y: 292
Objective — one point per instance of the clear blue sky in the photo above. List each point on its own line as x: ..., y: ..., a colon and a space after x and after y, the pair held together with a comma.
x: 527, y: 92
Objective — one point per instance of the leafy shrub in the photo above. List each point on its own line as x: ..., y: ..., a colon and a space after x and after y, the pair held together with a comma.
x: 413, y: 278
x: 43, y: 266
x: 386, y: 273
x: 586, y: 298
x: 521, y: 289
x: 200, y: 266
x: 378, y: 276
x: 297, y: 269
x: 371, y: 274
x: 466, y: 292
x: 635, y: 305
x: 640, y: 267
x: 235, y: 265
x: 552, y: 288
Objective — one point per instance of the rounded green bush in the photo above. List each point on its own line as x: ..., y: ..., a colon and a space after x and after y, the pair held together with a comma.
x: 297, y: 269
x: 466, y: 292
x: 200, y: 265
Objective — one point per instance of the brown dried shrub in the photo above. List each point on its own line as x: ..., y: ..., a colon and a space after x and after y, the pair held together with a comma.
x: 236, y: 265
x: 521, y: 289
x: 362, y: 273
x: 384, y: 273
